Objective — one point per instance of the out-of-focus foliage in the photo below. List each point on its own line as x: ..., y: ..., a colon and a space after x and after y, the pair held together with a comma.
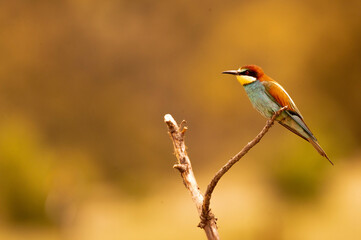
x: 84, y: 85
x: 24, y: 186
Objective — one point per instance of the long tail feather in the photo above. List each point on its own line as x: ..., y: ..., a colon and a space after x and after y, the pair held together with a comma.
x: 319, y: 149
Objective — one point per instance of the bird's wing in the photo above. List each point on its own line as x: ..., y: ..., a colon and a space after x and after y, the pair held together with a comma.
x: 280, y: 96
x: 276, y: 91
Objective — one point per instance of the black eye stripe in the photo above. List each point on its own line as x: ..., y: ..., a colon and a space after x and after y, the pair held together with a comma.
x: 249, y: 73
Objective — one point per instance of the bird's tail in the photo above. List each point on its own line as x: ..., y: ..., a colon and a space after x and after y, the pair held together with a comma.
x: 319, y: 149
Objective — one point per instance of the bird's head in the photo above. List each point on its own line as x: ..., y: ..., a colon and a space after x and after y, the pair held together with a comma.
x: 247, y: 74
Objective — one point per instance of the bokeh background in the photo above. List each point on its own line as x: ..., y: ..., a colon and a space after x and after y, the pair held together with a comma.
x: 84, y: 86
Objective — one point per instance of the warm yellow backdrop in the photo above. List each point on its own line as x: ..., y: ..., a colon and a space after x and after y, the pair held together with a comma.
x: 84, y: 86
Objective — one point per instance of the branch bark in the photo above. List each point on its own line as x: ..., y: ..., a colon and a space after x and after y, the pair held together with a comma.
x: 185, y: 168
x: 208, y: 220
x: 232, y: 161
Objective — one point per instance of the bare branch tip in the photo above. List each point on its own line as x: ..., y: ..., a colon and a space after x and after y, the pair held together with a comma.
x: 182, y: 123
x: 168, y: 118
x: 184, y: 131
x: 180, y: 167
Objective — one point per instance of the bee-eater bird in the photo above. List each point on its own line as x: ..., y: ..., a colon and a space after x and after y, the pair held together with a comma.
x: 267, y: 97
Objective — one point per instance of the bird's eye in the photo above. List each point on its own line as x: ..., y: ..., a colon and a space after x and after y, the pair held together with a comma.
x: 249, y: 73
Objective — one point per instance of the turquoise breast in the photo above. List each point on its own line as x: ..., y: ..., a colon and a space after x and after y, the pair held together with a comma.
x: 260, y: 100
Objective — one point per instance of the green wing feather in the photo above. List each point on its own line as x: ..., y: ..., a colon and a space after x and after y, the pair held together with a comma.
x: 281, y: 97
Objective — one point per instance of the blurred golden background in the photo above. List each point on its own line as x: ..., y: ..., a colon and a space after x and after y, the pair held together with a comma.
x: 84, y: 86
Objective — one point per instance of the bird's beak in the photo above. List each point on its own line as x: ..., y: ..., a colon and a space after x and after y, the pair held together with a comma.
x: 233, y: 72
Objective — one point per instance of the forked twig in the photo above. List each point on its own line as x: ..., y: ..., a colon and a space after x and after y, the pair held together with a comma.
x: 208, y: 220
x: 185, y: 168
x: 232, y: 161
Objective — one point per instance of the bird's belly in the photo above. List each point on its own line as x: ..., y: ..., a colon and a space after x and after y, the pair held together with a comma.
x: 260, y: 100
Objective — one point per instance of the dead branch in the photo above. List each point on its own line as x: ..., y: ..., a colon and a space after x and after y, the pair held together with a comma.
x: 185, y: 168
x: 208, y: 220
x: 232, y: 161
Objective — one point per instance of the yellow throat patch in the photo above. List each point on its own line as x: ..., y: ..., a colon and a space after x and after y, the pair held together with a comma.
x: 244, y: 80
